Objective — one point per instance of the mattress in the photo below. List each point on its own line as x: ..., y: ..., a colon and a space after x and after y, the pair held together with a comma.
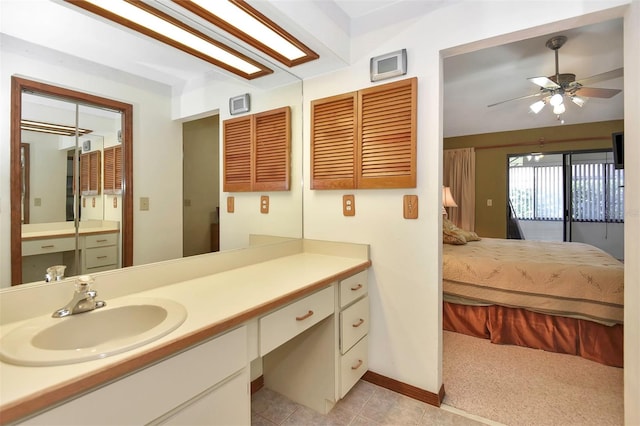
x: 574, y: 280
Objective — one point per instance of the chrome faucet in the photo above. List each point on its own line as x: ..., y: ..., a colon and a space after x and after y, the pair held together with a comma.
x: 55, y: 273
x: 84, y: 299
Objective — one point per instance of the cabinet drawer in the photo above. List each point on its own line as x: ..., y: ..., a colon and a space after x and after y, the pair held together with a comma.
x: 165, y: 385
x: 100, y: 240
x: 48, y: 245
x: 291, y: 320
x: 353, y: 365
x: 101, y: 256
x: 354, y: 324
x: 352, y: 288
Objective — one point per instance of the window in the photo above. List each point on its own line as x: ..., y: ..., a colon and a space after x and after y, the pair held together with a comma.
x: 536, y: 190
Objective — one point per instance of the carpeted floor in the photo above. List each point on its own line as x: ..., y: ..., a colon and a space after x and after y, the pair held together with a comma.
x: 521, y: 386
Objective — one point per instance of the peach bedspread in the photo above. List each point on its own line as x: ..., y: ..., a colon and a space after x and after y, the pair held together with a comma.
x: 572, y: 280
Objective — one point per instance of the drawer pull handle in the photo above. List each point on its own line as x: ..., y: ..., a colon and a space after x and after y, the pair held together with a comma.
x: 356, y: 287
x: 358, y: 365
x: 101, y: 257
x: 49, y: 246
x: 358, y: 324
x: 305, y: 316
x: 101, y: 241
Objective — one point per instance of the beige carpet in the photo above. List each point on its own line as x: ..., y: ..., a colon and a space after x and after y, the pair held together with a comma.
x: 521, y: 386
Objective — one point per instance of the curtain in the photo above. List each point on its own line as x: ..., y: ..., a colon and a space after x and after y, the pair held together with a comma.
x: 460, y: 175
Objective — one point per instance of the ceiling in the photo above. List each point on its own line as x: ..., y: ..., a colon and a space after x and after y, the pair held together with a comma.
x: 471, y: 81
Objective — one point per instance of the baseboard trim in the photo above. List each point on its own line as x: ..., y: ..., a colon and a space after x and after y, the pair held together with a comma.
x: 257, y: 384
x: 405, y: 389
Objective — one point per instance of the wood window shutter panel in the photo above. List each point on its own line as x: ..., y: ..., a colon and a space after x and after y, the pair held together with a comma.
x: 113, y: 170
x: 84, y: 174
x: 386, y: 156
x: 272, y: 146
x: 117, y: 185
x: 237, y: 170
x: 333, y: 142
x: 109, y: 170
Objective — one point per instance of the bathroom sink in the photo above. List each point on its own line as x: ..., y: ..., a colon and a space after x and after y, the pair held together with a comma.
x: 120, y: 326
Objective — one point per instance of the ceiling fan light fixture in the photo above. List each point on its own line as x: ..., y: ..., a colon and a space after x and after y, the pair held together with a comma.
x: 578, y: 100
x: 536, y: 107
x: 556, y: 100
x: 559, y: 109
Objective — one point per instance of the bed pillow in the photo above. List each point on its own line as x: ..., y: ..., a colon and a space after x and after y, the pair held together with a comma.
x: 452, y: 237
x: 449, y: 227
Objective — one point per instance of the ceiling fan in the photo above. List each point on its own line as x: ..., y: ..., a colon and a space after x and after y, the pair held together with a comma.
x: 555, y: 88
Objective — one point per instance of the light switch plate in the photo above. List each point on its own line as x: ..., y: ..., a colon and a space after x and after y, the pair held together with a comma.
x: 410, y: 206
x: 264, y: 204
x: 144, y: 203
x: 230, y: 204
x: 349, y: 205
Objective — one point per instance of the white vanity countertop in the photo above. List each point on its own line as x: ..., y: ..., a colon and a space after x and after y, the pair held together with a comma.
x: 64, y: 229
x: 215, y: 303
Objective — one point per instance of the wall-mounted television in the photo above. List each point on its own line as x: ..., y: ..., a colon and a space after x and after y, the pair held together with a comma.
x: 617, y: 141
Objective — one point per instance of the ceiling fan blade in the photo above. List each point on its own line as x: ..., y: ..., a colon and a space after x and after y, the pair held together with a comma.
x: 515, y: 99
x: 544, y: 82
x: 609, y: 75
x: 594, y: 92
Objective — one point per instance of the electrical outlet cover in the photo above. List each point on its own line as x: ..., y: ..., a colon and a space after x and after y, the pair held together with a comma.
x: 349, y: 205
x: 410, y: 206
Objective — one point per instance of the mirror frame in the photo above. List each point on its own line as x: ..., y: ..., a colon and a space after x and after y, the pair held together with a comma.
x: 18, y: 86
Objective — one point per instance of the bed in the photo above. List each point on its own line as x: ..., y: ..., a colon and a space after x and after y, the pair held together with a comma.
x: 556, y: 296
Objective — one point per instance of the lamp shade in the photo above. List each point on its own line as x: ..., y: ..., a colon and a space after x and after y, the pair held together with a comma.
x: 447, y: 198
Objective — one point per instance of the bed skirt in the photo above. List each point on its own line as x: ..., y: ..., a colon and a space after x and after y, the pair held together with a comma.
x: 516, y: 326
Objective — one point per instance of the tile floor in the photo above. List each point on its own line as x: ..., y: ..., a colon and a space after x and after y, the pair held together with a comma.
x: 365, y: 404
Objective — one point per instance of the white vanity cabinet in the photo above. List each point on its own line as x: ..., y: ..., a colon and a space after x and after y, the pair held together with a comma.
x: 100, y: 252
x: 204, y: 385
x: 354, y: 328
x: 317, y: 363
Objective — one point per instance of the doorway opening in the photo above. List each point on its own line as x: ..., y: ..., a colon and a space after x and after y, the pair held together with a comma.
x: 201, y: 186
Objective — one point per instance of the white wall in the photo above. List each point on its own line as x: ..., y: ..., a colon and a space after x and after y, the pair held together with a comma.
x: 157, y: 148
x: 406, y: 337
x: 285, y: 207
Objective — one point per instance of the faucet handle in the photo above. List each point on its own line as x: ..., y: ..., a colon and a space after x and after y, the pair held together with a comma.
x: 83, y: 283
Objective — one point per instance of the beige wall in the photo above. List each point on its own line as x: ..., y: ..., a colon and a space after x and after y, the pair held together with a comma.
x: 491, y: 161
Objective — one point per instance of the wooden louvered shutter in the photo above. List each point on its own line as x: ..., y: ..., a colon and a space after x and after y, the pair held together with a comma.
x: 237, y: 134
x: 387, y: 130
x: 117, y: 165
x: 113, y: 170
x: 90, y: 173
x: 272, y: 147
x: 84, y: 174
x: 333, y: 142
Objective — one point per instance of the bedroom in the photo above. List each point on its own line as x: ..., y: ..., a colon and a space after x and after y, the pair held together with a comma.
x: 532, y: 136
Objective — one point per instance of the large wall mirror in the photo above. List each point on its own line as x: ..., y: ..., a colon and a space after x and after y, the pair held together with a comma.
x: 158, y: 90
x: 71, y: 182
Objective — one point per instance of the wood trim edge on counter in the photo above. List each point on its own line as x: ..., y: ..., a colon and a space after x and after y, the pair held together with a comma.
x: 405, y: 389
x: 32, y: 405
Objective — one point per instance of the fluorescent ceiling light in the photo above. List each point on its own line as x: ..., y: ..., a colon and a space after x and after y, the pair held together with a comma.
x: 56, y: 129
x: 147, y: 20
x: 249, y: 25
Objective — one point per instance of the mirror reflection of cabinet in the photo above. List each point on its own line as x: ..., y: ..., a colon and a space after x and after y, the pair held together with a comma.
x: 113, y: 170
x: 61, y: 163
x: 257, y: 151
x: 90, y: 173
